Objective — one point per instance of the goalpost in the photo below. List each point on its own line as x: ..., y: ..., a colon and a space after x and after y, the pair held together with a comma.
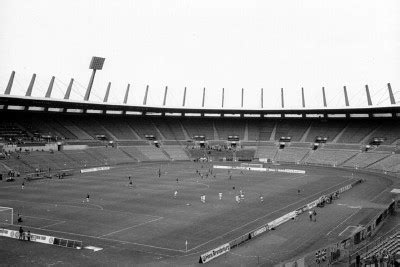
x: 6, y: 215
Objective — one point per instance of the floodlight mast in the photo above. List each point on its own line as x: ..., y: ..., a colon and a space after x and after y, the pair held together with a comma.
x: 95, y: 64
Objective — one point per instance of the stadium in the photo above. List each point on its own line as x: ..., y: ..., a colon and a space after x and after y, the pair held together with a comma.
x: 146, y: 168
x: 205, y: 132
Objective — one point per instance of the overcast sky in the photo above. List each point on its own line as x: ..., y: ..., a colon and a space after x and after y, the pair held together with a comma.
x: 205, y: 43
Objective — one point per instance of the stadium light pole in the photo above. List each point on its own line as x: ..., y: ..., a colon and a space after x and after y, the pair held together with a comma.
x: 95, y: 64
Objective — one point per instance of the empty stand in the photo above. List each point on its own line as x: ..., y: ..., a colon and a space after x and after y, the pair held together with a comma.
x: 134, y: 152
x: 330, y: 157
x: 294, y: 129
x: 143, y: 126
x: 260, y: 130
x: 391, y: 164
x: 152, y: 153
x: 266, y: 152
x: 196, y: 126
x: 226, y: 127
x: 292, y: 155
x: 325, y: 128
x: 390, y: 130
x: 356, y: 131
x: 110, y: 156
x: 363, y: 160
x: 176, y: 152
x: 389, y: 246
x: 119, y: 128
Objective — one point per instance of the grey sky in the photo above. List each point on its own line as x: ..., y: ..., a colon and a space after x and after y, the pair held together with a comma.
x: 208, y: 43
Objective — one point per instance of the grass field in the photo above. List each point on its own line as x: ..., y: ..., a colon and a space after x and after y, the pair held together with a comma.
x: 145, y: 224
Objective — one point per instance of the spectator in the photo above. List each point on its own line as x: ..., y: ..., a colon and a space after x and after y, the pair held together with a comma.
x: 21, y: 233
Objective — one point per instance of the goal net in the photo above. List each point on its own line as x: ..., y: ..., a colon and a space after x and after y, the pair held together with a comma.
x: 6, y: 215
x: 251, y: 165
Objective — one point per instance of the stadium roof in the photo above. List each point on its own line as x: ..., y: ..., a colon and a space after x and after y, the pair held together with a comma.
x: 35, y: 104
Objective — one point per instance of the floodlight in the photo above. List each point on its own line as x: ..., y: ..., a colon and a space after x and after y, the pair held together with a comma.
x: 97, y: 63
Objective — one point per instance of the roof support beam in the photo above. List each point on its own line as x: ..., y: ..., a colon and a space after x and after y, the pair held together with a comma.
x: 303, y: 101
x: 89, y: 88
x: 127, y: 93
x: 204, y: 96
x: 30, y: 87
x: 368, y: 95
x: 223, y: 97
x: 165, y: 95
x: 282, y: 99
x: 324, y: 96
x: 50, y: 89
x: 68, y: 92
x: 145, y: 95
x: 184, y: 97
x: 391, y: 96
x: 262, y: 98
x: 346, y: 98
x: 242, y: 97
x: 10, y: 83
x: 107, y: 93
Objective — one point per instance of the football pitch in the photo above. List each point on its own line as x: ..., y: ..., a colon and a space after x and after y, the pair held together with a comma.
x: 148, y: 217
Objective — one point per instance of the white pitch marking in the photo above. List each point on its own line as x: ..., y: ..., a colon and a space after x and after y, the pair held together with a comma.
x: 348, y: 227
x: 95, y: 249
x: 114, y: 240
x: 337, y: 226
x: 131, y: 227
x: 60, y: 222
x: 42, y: 218
x: 80, y: 207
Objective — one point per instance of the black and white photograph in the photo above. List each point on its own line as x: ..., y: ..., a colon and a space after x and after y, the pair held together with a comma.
x: 200, y: 132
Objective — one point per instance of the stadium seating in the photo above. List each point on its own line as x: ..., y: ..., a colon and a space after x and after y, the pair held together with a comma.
x: 119, y: 129
x: 389, y: 246
x: 197, y: 153
x: 260, y: 130
x: 266, y: 152
x: 228, y: 126
x: 390, y: 130
x: 298, y: 144
x: 132, y: 143
x: 293, y: 129
x: 245, y: 154
x: 153, y: 153
x: 83, y: 159
x: 330, y: 157
x: 135, y: 153
x: 342, y: 146
x: 143, y: 127
x: 176, y: 152
x: 356, y: 131
x: 76, y: 131
x: 171, y: 129
x: 363, y: 160
x: 110, y: 156
x: 324, y: 128
x: 390, y: 164
x: 196, y: 126
x: 292, y: 154
x: 9, y: 130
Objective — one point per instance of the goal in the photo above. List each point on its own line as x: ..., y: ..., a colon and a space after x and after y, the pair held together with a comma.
x: 251, y: 165
x: 6, y: 215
